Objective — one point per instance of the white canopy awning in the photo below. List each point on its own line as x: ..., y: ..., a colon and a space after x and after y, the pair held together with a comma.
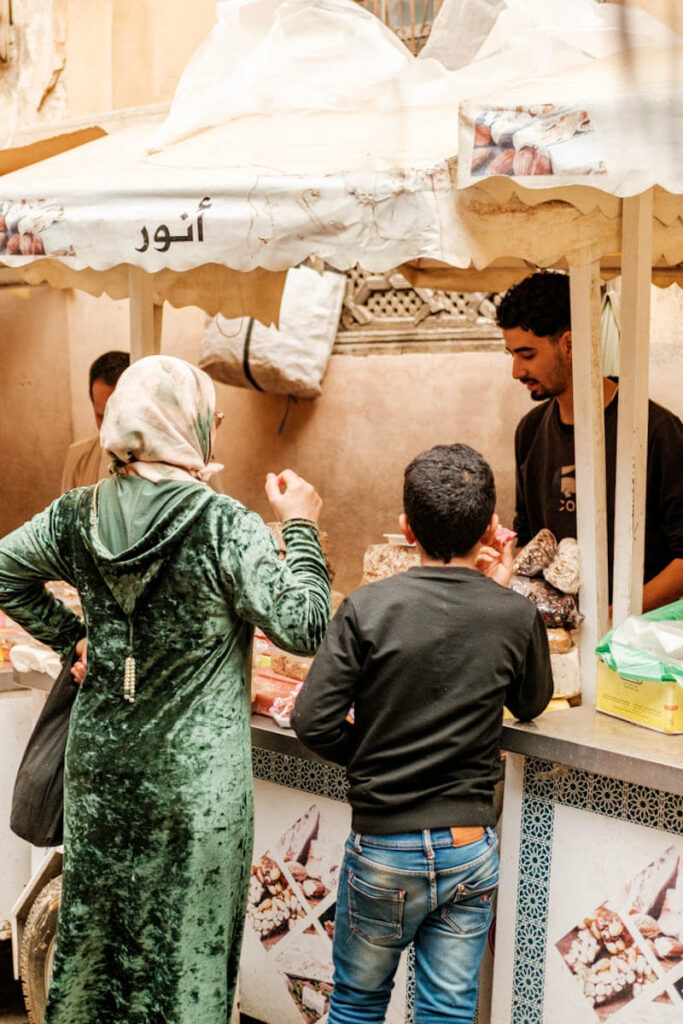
x: 213, y: 216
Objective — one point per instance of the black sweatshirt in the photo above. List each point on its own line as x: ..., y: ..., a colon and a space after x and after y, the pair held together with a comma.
x: 428, y: 657
x: 546, y: 480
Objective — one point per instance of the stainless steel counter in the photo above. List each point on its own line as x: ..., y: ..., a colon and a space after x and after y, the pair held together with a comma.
x: 584, y: 738
x: 266, y: 735
x: 578, y: 737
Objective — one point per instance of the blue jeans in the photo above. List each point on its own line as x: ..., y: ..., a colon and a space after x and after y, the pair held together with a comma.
x: 412, y: 887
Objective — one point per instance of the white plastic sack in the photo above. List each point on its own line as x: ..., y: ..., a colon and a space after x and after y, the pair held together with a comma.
x: 287, y: 360
x: 297, y: 86
x: 663, y: 639
x: 275, y: 56
x: 583, y: 26
x: 535, y: 38
x: 459, y: 30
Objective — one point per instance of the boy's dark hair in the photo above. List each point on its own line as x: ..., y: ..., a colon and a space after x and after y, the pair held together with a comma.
x: 449, y: 497
x: 539, y: 303
x: 108, y: 367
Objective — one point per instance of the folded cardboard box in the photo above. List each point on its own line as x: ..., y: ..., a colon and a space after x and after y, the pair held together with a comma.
x: 654, y: 704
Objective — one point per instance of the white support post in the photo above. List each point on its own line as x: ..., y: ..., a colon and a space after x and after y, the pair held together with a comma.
x: 506, y: 914
x: 634, y: 351
x: 145, y: 316
x: 589, y: 454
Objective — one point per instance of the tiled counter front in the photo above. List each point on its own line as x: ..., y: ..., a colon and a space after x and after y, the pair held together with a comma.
x: 295, y: 791
x: 579, y: 849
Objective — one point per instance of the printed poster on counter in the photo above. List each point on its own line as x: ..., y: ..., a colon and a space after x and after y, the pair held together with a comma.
x: 286, y: 965
x: 547, y: 140
x: 615, y: 931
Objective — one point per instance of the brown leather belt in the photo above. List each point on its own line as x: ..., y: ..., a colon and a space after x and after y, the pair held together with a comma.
x: 465, y: 834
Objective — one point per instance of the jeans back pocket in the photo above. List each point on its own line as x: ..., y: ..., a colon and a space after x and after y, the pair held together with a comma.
x: 469, y: 912
x: 375, y: 913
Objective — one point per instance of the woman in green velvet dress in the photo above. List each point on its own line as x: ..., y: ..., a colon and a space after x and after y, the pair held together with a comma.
x: 158, y: 790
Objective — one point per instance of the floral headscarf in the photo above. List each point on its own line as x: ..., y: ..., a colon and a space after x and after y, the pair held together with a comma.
x: 158, y: 422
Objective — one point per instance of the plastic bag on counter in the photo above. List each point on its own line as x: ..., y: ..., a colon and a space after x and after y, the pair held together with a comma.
x: 559, y: 563
x: 647, y: 646
x: 536, y: 555
x: 558, y: 609
x: 563, y: 572
x: 282, y: 707
x: 383, y: 560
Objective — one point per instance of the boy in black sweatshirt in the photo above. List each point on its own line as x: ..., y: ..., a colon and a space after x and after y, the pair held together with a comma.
x: 428, y: 659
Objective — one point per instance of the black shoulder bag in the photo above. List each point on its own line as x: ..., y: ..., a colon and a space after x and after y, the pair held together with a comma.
x: 38, y: 800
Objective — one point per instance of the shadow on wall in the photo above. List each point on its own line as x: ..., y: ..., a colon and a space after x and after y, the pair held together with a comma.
x: 35, y: 398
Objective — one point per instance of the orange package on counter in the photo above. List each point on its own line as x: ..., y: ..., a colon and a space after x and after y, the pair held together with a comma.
x: 266, y: 687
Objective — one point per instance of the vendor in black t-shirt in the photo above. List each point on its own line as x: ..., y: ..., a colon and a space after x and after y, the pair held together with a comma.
x: 535, y: 319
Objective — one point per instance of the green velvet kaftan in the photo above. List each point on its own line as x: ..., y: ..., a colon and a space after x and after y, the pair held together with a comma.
x: 158, y: 793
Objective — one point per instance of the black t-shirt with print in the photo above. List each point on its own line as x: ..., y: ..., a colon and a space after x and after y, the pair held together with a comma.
x: 546, y: 480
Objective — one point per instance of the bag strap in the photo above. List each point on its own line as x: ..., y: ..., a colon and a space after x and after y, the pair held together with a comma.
x: 245, y: 357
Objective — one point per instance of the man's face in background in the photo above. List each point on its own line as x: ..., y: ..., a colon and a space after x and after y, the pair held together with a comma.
x: 99, y: 395
x: 543, y: 365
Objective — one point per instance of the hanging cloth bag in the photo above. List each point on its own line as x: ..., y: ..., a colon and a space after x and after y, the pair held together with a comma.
x: 37, y: 812
x: 287, y: 360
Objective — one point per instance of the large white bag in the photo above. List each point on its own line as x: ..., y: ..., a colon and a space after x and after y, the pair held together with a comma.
x: 287, y: 360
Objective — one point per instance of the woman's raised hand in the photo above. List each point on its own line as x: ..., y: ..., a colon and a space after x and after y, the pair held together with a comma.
x: 292, y: 497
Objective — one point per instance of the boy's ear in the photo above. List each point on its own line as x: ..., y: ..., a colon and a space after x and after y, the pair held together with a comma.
x: 405, y: 528
x: 490, y: 531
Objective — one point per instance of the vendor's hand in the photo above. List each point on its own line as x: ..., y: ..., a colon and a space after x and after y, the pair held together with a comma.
x: 497, y: 565
x: 80, y: 667
x: 292, y: 497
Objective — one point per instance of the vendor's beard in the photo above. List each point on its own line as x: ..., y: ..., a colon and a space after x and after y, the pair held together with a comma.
x: 545, y: 394
x: 559, y: 382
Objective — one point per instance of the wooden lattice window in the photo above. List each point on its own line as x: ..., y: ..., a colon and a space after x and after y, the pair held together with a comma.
x: 384, y: 312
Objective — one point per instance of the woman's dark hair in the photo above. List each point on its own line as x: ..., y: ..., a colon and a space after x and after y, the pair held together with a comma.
x: 539, y: 303
x: 108, y: 367
x: 448, y: 497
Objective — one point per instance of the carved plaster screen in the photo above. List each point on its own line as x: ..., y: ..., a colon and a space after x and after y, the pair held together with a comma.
x: 385, y: 313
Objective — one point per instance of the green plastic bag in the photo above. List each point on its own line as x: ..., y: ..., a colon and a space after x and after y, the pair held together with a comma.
x: 634, y: 662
